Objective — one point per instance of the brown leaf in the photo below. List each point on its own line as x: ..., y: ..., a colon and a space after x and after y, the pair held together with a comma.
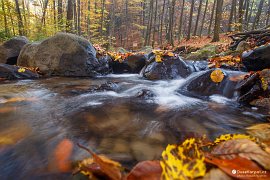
x: 111, y: 168
x: 244, y: 148
x: 146, y: 170
x: 238, y: 164
x: 261, y: 131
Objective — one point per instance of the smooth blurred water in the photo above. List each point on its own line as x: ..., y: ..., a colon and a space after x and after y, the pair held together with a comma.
x: 134, y: 122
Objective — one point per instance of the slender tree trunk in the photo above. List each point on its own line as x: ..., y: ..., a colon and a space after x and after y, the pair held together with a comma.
x: 24, y: 18
x: 60, y: 14
x: 79, y: 17
x: 88, y: 17
x: 11, y: 20
x: 161, y: 22
x: 240, y: 15
x: 203, y: 19
x: 198, y: 18
x: 250, y: 14
x: 20, y: 22
x: 268, y: 14
x: 181, y: 20
x: 44, y: 12
x: 212, y: 17
x: 231, y: 16
x: 149, y: 26
x: 190, y: 19
x: 112, y: 22
x: 54, y: 16
x: 171, y: 20
x: 247, y: 10
x: 69, y: 24
x: 5, y: 18
x: 155, y: 23
x: 257, y: 18
x: 217, y: 20
x: 102, y: 18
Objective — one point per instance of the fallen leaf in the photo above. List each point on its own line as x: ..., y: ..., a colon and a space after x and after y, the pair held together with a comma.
x: 217, y: 76
x: 185, y: 161
x: 111, y: 168
x: 244, y: 148
x: 21, y: 70
x: 262, y: 132
x: 232, y: 166
x: 146, y: 170
x: 62, y: 155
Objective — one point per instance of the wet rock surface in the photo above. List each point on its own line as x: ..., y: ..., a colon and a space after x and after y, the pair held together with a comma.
x: 257, y: 59
x: 63, y: 55
x: 10, y: 72
x: 170, y: 68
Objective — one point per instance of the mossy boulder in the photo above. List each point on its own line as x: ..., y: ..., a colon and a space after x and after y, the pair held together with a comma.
x: 203, y: 53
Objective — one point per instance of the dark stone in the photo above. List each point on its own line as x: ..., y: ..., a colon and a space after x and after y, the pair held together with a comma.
x: 10, y: 72
x: 170, y: 68
x: 10, y: 50
x: 108, y: 86
x: 132, y: 64
x: 63, y: 55
x: 257, y: 59
x: 197, y: 66
x: 202, y: 86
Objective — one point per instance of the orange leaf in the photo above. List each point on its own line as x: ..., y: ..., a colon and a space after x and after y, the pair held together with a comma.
x: 146, y: 170
x: 238, y: 164
x: 217, y: 76
x: 107, y: 166
x: 62, y: 155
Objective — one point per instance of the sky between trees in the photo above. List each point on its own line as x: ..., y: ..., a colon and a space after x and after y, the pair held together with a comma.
x: 131, y: 23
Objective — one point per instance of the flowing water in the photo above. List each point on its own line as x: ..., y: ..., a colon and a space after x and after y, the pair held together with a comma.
x: 131, y: 123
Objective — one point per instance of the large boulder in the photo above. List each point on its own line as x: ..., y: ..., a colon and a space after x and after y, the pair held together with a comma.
x: 10, y: 72
x: 132, y: 64
x: 170, y: 68
x: 10, y: 50
x: 257, y: 59
x: 62, y: 55
x: 202, y: 86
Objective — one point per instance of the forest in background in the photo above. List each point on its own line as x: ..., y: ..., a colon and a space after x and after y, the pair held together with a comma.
x: 131, y: 23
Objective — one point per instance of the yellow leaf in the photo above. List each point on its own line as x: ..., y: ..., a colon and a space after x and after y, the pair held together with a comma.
x: 158, y: 59
x: 170, y: 54
x: 217, y: 76
x: 21, y: 70
x: 183, y: 162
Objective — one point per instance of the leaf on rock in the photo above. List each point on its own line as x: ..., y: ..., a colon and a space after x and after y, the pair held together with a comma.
x: 217, y: 76
x: 21, y: 70
x: 183, y: 162
x: 102, y: 164
x: 146, y: 170
x: 244, y: 148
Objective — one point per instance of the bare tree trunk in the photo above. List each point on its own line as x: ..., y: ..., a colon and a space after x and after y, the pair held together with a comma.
x: 149, y: 26
x: 69, y: 24
x: 161, y: 22
x: 88, y: 17
x: 181, y: 21
x: 102, y: 17
x: 155, y: 22
x: 198, y: 18
x: 11, y: 20
x: 190, y: 19
x: 60, y: 14
x: 212, y: 17
x: 268, y: 14
x: 5, y: 18
x: 54, y: 15
x: 20, y: 22
x: 231, y: 15
x: 171, y: 18
x: 217, y: 20
x: 257, y: 18
x: 44, y: 12
x: 240, y: 15
x: 112, y: 22
x: 203, y: 19
x: 250, y: 14
x: 79, y: 17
